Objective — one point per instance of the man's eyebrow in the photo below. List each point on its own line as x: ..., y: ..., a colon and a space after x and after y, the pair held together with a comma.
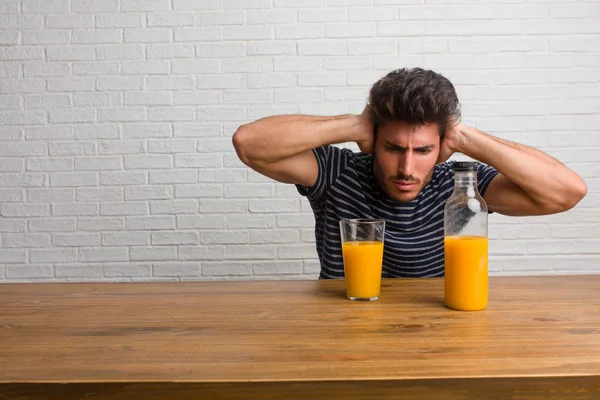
x: 402, y: 148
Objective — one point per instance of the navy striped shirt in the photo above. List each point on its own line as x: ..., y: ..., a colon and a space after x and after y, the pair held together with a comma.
x: 414, y: 234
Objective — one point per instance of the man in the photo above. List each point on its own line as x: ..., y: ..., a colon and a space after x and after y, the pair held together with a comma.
x: 406, y: 134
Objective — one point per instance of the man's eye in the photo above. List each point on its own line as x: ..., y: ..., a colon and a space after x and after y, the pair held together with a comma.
x: 423, y: 151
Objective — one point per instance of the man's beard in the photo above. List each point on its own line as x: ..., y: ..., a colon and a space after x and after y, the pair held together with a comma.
x: 377, y: 171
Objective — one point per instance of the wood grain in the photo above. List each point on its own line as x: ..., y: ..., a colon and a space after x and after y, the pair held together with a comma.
x: 299, y: 338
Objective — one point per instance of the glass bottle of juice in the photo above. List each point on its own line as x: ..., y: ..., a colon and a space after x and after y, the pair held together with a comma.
x: 465, y: 242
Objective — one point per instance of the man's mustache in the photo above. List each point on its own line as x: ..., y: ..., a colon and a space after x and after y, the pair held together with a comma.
x: 409, y: 178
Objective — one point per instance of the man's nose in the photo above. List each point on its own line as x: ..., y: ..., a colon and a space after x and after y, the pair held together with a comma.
x: 406, y: 165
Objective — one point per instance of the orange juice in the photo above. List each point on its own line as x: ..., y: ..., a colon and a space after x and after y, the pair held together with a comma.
x: 466, y: 272
x: 362, y: 268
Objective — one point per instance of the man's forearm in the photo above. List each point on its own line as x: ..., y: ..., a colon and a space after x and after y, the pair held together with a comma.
x: 542, y: 177
x: 272, y: 139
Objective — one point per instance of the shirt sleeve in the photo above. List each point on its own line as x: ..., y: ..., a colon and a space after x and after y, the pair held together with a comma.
x: 332, y: 162
x: 485, y: 174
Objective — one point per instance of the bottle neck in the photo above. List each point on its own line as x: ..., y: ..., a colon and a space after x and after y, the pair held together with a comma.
x: 464, y: 180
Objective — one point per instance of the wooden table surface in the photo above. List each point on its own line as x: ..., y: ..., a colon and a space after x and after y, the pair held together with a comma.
x: 539, y: 338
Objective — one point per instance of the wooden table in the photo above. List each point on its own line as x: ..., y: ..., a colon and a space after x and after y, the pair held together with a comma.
x: 538, y: 339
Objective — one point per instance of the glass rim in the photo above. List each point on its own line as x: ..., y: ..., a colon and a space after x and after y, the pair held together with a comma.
x: 363, y: 220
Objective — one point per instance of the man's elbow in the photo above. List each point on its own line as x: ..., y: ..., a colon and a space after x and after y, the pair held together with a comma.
x: 573, y: 195
x: 241, y: 143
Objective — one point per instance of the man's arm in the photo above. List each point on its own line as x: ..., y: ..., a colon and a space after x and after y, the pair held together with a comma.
x: 280, y: 147
x: 530, y: 182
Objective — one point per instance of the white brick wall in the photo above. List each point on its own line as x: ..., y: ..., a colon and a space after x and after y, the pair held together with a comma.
x: 116, y: 119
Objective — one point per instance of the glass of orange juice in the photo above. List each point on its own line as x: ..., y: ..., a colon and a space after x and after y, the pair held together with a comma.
x: 362, y: 249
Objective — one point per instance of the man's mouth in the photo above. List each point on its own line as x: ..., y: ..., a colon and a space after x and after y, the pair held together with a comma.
x: 404, y: 185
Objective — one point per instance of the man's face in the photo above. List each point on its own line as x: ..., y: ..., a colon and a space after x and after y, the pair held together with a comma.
x: 405, y: 156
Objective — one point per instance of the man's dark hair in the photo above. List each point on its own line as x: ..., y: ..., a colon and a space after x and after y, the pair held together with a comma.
x: 416, y: 96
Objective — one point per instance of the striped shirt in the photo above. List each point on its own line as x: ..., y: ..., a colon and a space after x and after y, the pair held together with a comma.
x: 414, y: 233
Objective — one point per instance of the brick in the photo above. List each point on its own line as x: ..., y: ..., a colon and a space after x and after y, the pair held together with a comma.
x: 270, y: 16
x: 46, y: 101
x: 128, y: 270
x: 93, y: 6
x: 76, y: 239
x: 25, y: 240
x: 295, y: 221
x: 170, y: 51
x: 147, y: 35
x: 29, y: 272
x: 119, y: 83
x: 248, y: 32
x: 173, y: 207
x: 73, y: 179
x: 11, y: 195
x: 50, y: 164
x: 99, y: 194
x: 249, y: 190
x: 352, y: 29
x: 43, y: 37
x: 298, y: 95
x: 321, y: 79
x: 51, y: 224
x: 224, y: 237
x: 223, y: 206
x: 50, y: 195
x: 75, y: 209
x: 12, y: 256
x: 248, y: 64
x: 346, y: 63
x: 197, y: 97
x: 195, y: 130
x: 150, y: 67
x: 96, y: 99
x: 146, y: 130
x: 70, y: 84
x: 250, y: 252
x: 174, y: 238
x: 125, y: 239
x: 120, y: 52
x: 145, y: 5
x: 70, y: 53
x: 198, y: 190
x: 323, y: 15
x: 121, y: 147
x: 53, y: 255
x: 220, y: 18
x: 45, y: 69
x: 25, y: 210
x: 12, y: 165
x: 297, y: 3
x: 297, y: 64
x: 153, y: 253
x: 246, y: 96
x: 120, y: 20
x: 220, y: 81
x: 197, y: 5
x: 10, y: 7
x: 274, y: 205
x: 321, y: 47
x: 148, y: 192
x: 20, y: 86
x: 170, y: 83
x: 46, y: 6
x: 233, y: 161
x: 270, y: 48
x: 129, y: 114
x: 122, y: 178
x: 21, y: 180
x: 274, y: 236
x: 250, y: 221
x: 124, y: 208
x: 243, y: 4
x: 200, y: 221
x: 220, y: 114
x: 150, y: 223
x: 100, y: 224
x: 200, y: 253
x: 70, y: 21
x: 195, y: 66
x: 48, y: 132
x: 171, y: 19
x: 235, y: 269
x: 154, y: 161
x: 103, y: 255
x: 299, y: 31
x: 92, y: 271
x: 277, y: 268
x: 148, y: 98
x: 173, y: 176
x: 295, y: 251
x: 22, y: 21
x: 177, y: 269
x: 171, y: 113
x: 97, y: 36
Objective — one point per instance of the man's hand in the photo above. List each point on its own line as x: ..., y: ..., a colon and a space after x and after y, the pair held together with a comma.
x: 367, y: 141
x: 451, y: 140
